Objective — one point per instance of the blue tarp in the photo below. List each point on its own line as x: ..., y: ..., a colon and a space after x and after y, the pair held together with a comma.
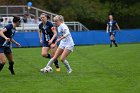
x: 29, y: 39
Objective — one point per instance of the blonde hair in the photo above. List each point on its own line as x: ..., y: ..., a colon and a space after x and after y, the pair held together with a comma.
x: 59, y: 18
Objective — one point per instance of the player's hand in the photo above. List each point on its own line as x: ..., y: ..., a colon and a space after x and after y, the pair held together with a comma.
x: 41, y: 41
x: 7, y: 39
x: 58, y: 40
x: 53, y: 46
x: 50, y: 42
x: 18, y: 44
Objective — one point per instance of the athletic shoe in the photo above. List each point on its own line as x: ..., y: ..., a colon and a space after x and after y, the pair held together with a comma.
x: 57, y: 69
x: 116, y: 45
x: 12, y: 71
x: 69, y: 71
x: 42, y: 70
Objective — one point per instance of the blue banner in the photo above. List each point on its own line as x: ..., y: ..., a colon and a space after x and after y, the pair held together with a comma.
x: 31, y: 39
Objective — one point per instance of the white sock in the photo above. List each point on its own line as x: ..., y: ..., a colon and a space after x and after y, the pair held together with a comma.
x: 66, y: 63
x: 50, y: 62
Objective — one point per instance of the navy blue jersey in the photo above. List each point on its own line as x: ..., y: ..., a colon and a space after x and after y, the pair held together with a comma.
x: 9, y: 34
x: 46, y: 30
x: 112, y: 25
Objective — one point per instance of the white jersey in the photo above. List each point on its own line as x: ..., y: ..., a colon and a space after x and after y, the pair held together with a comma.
x: 63, y: 30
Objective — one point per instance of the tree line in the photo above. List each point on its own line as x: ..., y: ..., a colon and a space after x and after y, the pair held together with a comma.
x: 92, y: 13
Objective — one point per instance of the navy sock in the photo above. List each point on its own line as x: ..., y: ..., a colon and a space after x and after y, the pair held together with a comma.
x: 11, y: 64
x: 1, y: 66
x: 115, y: 43
x: 56, y: 64
x: 111, y: 41
x: 48, y: 56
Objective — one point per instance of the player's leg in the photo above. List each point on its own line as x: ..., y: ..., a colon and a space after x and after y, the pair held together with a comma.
x: 11, y: 63
x: 9, y: 56
x: 2, y: 58
x: 114, y: 41
x: 56, y: 55
x: 45, y: 53
x: 65, y: 53
x: 53, y: 50
x: 111, y: 39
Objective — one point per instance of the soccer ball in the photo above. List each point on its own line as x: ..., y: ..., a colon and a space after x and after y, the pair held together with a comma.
x: 48, y: 69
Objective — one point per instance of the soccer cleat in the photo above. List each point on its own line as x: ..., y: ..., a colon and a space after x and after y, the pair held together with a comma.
x: 42, y: 70
x: 12, y: 70
x: 57, y: 69
x: 116, y: 45
x: 69, y: 71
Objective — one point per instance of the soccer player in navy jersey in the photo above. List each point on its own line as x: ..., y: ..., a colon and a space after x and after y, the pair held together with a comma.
x: 112, y: 27
x: 6, y: 37
x: 47, y: 36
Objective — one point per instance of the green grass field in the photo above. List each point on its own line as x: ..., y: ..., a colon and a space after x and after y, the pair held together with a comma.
x: 96, y: 69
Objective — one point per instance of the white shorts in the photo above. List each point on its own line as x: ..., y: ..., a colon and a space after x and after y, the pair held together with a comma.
x: 66, y: 47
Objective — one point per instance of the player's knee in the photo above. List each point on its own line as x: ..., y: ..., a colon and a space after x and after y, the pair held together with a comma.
x: 3, y: 61
x: 44, y: 55
x: 111, y: 38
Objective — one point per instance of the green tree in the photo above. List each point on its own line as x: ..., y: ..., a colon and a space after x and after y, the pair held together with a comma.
x: 86, y: 11
x: 92, y: 13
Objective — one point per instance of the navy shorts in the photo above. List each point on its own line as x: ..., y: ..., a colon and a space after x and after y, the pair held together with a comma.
x: 5, y: 50
x: 45, y: 43
x: 112, y: 33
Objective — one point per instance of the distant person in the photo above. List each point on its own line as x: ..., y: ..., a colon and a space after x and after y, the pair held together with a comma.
x: 47, y: 37
x: 66, y: 45
x: 29, y: 19
x: 5, y: 21
x: 36, y: 20
x: 10, y: 21
x: 25, y: 16
x: 1, y: 20
x: 112, y: 27
x: 6, y: 37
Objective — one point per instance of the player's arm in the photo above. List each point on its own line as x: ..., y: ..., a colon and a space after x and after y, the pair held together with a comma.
x: 2, y: 34
x: 54, y: 35
x: 107, y: 28
x: 40, y: 35
x: 64, y: 36
x: 117, y: 26
x: 13, y: 41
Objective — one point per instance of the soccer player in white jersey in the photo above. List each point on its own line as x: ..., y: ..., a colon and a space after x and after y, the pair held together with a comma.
x: 66, y: 45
